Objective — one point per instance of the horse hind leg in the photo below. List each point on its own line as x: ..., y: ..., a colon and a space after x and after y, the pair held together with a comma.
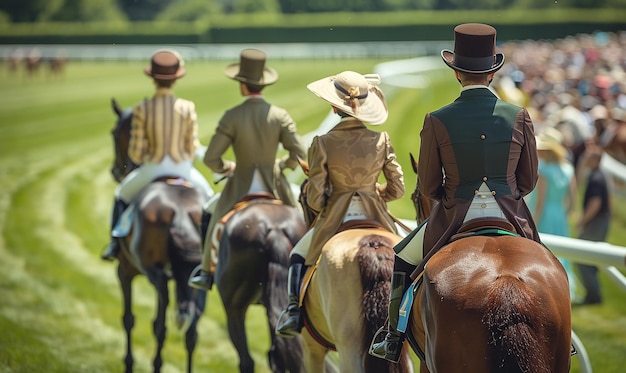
x: 285, y: 354
x: 128, y: 319
x: 158, y: 278
x: 191, y: 303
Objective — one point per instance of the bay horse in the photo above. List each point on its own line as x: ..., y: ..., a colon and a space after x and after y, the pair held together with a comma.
x: 163, y: 243
x: 252, y: 269
x: 491, y: 304
x: 345, y: 299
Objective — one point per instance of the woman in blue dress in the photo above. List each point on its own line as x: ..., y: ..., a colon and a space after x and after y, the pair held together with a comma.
x: 554, y: 196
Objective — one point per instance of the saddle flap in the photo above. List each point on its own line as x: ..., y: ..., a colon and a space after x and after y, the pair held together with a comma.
x: 407, y: 303
x: 124, y: 223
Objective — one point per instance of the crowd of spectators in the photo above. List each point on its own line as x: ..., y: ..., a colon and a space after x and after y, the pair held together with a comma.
x: 576, y: 84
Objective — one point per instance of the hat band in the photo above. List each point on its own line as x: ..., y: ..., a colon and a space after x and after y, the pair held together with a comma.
x: 474, y: 63
x: 345, y: 92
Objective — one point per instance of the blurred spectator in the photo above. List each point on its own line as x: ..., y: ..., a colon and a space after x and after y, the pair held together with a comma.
x: 566, y: 79
x: 595, y: 219
x: 555, y: 194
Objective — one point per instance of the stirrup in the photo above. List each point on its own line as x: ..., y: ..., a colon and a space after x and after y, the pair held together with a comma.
x: 199, y: 279
x: 376, y: 347
x: 281, y: 327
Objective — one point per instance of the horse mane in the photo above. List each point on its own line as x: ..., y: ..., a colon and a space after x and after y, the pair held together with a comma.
x: 513, y: 344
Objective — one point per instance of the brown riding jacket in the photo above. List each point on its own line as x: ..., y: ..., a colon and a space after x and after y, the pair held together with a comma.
x: 345, y: 162
x: 477, y: 138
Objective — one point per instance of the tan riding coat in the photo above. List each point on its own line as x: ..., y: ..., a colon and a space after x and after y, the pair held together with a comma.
x: 345, y: 162
x: 254, y: 129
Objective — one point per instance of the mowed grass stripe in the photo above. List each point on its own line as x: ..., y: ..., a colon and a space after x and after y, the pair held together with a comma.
x: 58, y: 250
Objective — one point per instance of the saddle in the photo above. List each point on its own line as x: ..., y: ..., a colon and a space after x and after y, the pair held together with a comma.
x: 245, y: 201
x: 249, y: 199
x: 173, y: 180
x: 125, y: 222
x: 489, y: 226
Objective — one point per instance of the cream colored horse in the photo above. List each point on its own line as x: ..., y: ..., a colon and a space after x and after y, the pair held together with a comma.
x: 346, y: 301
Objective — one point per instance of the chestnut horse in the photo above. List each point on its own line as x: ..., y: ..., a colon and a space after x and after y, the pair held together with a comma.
x: 492, y: 304
x: 252, y: 267
x: 163, y: 243
x: 615, y: 141
x: 346, y: 298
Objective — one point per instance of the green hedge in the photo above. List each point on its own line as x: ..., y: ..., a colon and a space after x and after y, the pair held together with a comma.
x: 335, y: 27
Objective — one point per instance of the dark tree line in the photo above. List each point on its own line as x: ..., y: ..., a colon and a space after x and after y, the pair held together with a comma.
x: 190, y: 10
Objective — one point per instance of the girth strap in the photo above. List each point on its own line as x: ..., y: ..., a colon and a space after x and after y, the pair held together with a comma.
x: 318, y: 338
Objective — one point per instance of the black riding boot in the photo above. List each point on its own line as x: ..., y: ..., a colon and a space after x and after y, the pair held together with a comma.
x: 391, y: 348
x: 291, y: 327
x: 204, y: 225
x: 113, y: 249
x: 199, y: 278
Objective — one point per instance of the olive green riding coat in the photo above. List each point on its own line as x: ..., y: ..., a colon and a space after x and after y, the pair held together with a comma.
x: 254, y: 129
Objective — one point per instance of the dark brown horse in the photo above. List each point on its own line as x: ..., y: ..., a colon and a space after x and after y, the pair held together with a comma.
x: 252, y: 267
x: 164, y: 243
x: 492, y: 304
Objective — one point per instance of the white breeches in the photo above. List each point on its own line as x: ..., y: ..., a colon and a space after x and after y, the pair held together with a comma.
x: 146, y: 173
x: 355, y: 211
x: 483, y: 205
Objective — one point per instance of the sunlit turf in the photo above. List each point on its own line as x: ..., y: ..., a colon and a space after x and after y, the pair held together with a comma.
x: 60, y: 305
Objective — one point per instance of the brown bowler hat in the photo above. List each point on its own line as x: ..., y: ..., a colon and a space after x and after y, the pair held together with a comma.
x: 474, y: 49
x: 251, y: 69
x: 166, y: 65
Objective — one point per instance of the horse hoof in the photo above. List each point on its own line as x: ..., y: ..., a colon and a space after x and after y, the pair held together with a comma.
x: 183, y: 322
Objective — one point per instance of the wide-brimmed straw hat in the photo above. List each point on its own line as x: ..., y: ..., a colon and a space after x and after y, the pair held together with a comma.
x: 251, y: 69
x: 166, y: 65
x: 474, y: 49
x: 551, y: 139
x: 355, y: 94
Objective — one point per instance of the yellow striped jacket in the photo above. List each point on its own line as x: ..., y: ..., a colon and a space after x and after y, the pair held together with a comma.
x: 163, y: 125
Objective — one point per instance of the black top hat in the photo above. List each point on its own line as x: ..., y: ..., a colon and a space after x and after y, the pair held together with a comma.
x: 474, y: 49
x: 166, y: 65
x: 251, y: 69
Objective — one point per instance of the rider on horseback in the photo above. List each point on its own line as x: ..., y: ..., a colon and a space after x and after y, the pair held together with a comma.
x: 478, y: 158
x: 163, y: 139
x: 345, y: 165
x: 254, y: 129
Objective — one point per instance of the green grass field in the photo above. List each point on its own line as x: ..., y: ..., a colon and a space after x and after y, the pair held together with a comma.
x: 60, y: 306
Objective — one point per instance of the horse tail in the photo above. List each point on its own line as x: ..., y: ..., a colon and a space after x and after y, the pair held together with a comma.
x: 185, y: 237
x: 375, y: 258
x: 277, y: 246
x: 285, y: 353
x: 512, y: 322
